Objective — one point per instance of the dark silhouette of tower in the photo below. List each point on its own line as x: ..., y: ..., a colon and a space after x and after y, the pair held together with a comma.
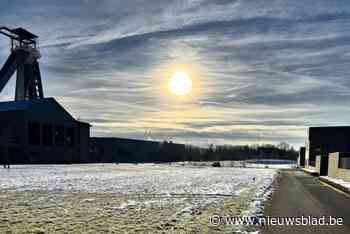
x: 23, y: 60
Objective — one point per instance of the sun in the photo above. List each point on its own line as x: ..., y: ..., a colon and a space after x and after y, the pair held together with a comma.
x: 180, y: 83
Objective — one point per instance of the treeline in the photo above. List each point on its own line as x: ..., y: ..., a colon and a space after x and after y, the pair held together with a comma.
x: 169, y: 152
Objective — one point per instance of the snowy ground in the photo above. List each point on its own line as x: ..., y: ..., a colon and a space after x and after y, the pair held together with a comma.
x: 267, y: 163
x: 345, y: 184
x: 310, y: 170
x: 166, y: 197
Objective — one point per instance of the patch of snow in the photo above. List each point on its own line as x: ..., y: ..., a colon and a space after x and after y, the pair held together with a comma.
x: 245, y: 232
x: 274, y: 166
x: 341, y: 182
x: 126, y: 205
x: 89, y: 200
x: 310, y: 170
x: 256, y: 207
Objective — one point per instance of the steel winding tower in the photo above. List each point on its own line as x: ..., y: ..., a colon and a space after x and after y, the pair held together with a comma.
x: 23, y: 59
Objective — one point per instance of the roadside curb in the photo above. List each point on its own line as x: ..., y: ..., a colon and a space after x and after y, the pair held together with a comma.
x: 338, y: 186
x: 313, y: 173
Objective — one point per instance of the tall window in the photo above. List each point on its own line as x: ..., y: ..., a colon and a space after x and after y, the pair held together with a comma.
x: 34, y: 133
x: 70, y: 136
x: 59, y: 135
x: 47, y: 134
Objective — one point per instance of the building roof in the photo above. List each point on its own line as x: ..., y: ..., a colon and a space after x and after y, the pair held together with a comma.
x: 23, y: 105
x: 24, y: 34
x: 124, y: 140
x: 27, y: 104
x: 127, y: 140
x: 328, y: 127
x: 41, y: 109
x: 18, y: 105
x: 46, y: 108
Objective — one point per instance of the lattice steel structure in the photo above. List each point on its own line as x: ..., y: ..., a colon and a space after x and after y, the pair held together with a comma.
x: 23, y: 60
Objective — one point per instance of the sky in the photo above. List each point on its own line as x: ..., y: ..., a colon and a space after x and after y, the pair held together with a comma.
x: 262, y: 71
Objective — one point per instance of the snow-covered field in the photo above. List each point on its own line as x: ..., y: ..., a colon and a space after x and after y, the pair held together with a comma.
x: 272, y: 163
x: 131, y: 179
x: 187, y: 190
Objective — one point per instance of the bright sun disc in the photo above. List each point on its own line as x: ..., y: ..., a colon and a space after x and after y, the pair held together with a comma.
x: 180, y: 83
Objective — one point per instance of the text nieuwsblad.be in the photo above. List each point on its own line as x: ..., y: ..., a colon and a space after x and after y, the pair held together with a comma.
x: 217, y: 220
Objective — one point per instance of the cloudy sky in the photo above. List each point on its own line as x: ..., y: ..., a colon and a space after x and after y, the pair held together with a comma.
x: 262, y: 71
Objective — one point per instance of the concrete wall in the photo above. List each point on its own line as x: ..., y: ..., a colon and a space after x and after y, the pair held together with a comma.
x: 344, y: 174
x: 333, y: 167
x: 301, y: 157
x: 318, y: 164
x: 307, y: 153
x: 333, y: 162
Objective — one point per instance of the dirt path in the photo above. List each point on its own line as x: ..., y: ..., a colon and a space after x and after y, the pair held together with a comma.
x: 298, y: 194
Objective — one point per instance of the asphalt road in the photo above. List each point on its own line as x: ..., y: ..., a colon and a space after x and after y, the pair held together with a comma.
x: 297, y: 194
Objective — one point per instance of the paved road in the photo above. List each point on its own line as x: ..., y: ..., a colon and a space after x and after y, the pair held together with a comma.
x: 298, y: 194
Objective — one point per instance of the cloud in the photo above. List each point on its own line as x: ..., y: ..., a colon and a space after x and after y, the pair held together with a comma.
x: 264, y: 71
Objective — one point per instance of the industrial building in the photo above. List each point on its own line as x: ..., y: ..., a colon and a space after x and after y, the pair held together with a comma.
x: 325, y: 140
x: 34, y: 129
x: 121, y: 150
x: 42, y: 131
x: 327, y: 152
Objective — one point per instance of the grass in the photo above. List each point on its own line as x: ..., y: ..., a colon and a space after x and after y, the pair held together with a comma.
x: 47, y: 212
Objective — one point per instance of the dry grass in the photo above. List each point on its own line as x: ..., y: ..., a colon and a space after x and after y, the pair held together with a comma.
x: 43, y: 212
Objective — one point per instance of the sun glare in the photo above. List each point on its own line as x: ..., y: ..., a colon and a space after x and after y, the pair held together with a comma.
x: 180, y: 84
